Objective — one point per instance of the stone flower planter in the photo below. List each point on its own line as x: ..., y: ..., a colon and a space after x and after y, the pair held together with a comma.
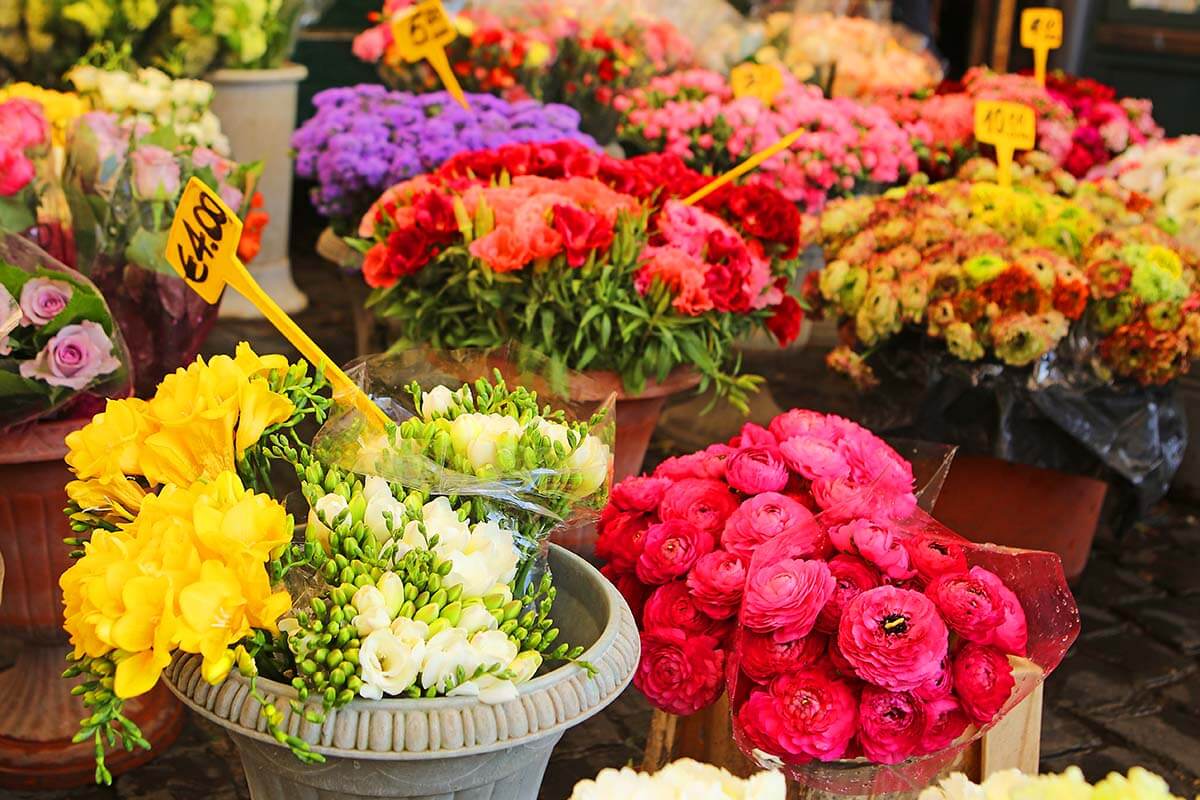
x: 447, y: 748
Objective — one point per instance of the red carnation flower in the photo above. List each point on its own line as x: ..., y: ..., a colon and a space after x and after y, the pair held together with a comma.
x: 784, y: 324
x: 582, y: 232
x: 812, y: 714
x: 621, y: 537
x: 672, y: 606
x: 679, y: 673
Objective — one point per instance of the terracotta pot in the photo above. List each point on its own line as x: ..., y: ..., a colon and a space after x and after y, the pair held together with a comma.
x: 988, y: 500
x: 40, y: 715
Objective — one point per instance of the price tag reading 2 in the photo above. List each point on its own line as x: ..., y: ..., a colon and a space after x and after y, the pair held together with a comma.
x: 202, y: 246
x: 756, y: 80
x: 423, y: 33
x: 1008, y: 127
x: 1041, y: 32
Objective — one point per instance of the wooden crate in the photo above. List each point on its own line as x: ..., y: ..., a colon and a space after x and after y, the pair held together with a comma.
x: 1014, y: 742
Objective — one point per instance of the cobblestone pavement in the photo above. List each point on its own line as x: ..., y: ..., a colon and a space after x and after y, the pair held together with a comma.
x: 1128, y: 692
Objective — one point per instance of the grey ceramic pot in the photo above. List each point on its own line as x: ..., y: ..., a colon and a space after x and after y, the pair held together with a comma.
x: 449, y: 748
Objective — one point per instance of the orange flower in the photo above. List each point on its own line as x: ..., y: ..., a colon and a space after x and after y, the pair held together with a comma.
x: 252, y: 230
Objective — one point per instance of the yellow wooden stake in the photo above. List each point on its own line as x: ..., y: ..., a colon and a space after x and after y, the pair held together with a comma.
x: 1008, y: 127
x: 202, y: 248
x: 741, y: 169
x: 1041, y: 32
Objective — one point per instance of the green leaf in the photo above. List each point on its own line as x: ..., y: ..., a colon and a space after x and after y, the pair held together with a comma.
x: 147, y: 249
x: 15, y: 215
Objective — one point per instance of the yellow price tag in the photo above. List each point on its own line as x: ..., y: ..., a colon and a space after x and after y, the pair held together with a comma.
x: 756, y: 80
x: 423, y: 32
x: 202, y: 248
x: 1041, y: 32
x: 741, y: 169
x: 1008, y: 127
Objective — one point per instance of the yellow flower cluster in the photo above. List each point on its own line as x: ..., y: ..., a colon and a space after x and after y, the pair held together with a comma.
x: 187, y: 573
x: 185, y: 567
x: 198, y: 423
x: 61, y: 108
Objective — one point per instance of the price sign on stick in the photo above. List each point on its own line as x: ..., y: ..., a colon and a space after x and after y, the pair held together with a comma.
x: 423, y: 32
x: 741, y: 169
x: 1041, y: 32
x: 1008, y: 127
x: 202, y: 248
x: 756, y: 80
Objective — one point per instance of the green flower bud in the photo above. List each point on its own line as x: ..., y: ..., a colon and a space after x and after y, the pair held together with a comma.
x: 512, y: 609
x: 508, y: 627
x: 351, y: 655
x: 520, y: 634
x: 308, y: 667
x: 335, y: 657
x: 454, y: 593
x: 422, y: 599
x: 427, y: 613
x: 435, y: 583
x: 438, y: 625
x: 533, y: 640
x: 318, y: 607
x: 550, y: 635
x: 410, y: 592
x: 528, y: 618
x: 358, y: 507
x: 319, y: 679
x: 439, y: 597
x: 444, y: 568
x: 408, y: 609
x: 322, y: 655
x: 344, y: 636
x: 493, y: 601
x: 343, y: 697
x: 452, y: 613
x: 354, y: 683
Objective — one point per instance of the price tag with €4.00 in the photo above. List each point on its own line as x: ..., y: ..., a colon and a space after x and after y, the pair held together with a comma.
x: 756, y: 80
x: 202, y: 248
x: 1041, y: 32
x: 422, y: 32
x: 1008, y: 127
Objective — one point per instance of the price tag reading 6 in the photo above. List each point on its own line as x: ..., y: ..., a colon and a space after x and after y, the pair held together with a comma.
x: 423, y: 29
x: 202, y: 245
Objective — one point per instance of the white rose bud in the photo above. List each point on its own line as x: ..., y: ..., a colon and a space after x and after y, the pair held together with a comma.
x: 387, y: 664
x: 592, y: 461
x: 437, y: 401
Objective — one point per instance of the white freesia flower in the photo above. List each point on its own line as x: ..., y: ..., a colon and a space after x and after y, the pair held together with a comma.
x: 488, y: 688
x: 475, y: 617
x: 480, y: 437
x: 445, y: 654
x: 410, y: 630
x: 371, y: 606
x: 554, y: 431
x: 326, y: 509
x: 380, y: 509
x: 440, y: 519
x: 490, y: 558
x: 681, y: 780
x: 525, y: 665
x: 592, y: 460
x: 375, y: 486
x: 391, y: 586
x: 388, y: 664
x: 437, y: 401
x: 494, y: 648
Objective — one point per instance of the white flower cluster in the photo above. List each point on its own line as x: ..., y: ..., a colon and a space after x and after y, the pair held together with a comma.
x: 681, y: 780
x: 484, y: 439
x: 1009, y: 784
x: 152, y: 96
x: 400, y: 651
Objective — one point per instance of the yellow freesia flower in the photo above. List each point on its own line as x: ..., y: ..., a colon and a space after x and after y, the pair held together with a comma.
x: 252, y: 364
x: 118, y: 497
x: 111, y: 443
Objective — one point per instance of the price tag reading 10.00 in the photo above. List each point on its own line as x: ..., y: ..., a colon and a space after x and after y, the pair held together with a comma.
x: 1008, y: 127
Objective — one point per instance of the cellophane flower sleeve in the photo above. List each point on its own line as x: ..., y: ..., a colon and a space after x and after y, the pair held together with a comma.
x: 58, y: 340
x: 872, y: 650
x: 497, y: 428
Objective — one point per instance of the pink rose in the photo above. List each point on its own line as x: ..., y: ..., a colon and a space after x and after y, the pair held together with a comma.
x: 1012, y: 634
x: 762, y: 658
x: 670, y: 550
x: 813, y: 715
x: 877, y: 545
x: 621, y: 537
x: 945, y: 721
x: 679, y: 673
x: 932, y: 555
x: 892, y: 725
x: 853, y: 576
x: 23, y: 124
x: 74, y: 357
x: 706, y: 504
x: 155, y: 173
x: 755, y: 470
x: 639, y: 493
x: 16, y: 171
x: 983, y: 681
x: 971, y: 607
x: 784, y: 597
x: 717, y: 582
x: 893, y: 637
x: 43, y: 299
x: 672, y: 606
x: 761, y: 518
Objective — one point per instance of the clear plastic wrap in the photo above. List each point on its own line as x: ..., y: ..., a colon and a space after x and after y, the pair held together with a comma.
x: 58, y: 339
x: 536, y: 470
x: 944, y: 716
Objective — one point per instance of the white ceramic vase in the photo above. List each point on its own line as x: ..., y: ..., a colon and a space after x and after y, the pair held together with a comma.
x: 257, y: 109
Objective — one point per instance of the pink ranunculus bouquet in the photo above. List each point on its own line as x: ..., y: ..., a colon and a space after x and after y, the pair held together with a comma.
x: 792, y: 568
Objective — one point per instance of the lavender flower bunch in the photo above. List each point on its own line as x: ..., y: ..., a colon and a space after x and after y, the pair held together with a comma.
x: 365, y: 138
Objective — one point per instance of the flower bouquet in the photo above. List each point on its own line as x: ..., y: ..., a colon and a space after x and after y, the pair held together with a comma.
x: 1138, y: 784
x: 122, y: 184
x: 58, y: 340
x: 364, y: 139
x: 585, y: 258
x: 543, y: 50
x: 681, y: 780
x: 693, y: 114
x: 390, y: 591
x: 791, y: 568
